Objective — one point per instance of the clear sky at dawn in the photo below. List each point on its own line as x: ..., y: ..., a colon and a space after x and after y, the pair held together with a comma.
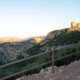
x: 26, y: 18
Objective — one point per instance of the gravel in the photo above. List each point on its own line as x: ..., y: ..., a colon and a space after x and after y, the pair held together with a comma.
x: 69, y: 72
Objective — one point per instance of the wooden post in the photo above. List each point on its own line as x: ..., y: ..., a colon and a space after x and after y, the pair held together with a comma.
x: 53, y: 62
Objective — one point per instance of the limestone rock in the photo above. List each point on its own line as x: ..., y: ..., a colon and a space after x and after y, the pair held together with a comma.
x: 53, y: 34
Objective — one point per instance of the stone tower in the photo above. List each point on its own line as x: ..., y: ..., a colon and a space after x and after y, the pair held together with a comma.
x: 78, y: 25
x: 73, y: 24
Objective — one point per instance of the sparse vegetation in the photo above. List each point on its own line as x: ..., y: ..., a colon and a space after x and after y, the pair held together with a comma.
x: 64, y: 38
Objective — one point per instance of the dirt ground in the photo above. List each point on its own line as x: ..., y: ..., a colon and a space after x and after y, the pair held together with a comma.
x: 69, y: 72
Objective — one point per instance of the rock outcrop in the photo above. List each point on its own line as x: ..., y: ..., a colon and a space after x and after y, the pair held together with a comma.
x: 53, y: 34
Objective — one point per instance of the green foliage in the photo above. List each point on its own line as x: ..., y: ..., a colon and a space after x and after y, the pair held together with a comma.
x: 62, y: 39
x: 36, y: 61
x: 2, y: 73
x: 34, y: 50
x: 65, y: 52
x: 65, y: 39
x: 20, y: 57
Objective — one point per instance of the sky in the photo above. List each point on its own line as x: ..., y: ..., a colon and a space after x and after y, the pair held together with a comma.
x: 27, y: 18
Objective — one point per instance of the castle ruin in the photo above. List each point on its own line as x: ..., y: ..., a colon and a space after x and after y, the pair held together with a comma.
x: 75, y: 25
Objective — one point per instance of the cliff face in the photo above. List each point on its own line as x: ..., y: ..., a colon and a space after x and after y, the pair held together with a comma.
x: 53, y: 34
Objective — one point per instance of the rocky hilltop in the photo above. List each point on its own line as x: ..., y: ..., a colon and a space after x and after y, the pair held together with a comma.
x: 57, y: 39
x: 74, y: 27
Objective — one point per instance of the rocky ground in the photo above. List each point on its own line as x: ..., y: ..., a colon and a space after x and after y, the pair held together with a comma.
x: 69, y: 72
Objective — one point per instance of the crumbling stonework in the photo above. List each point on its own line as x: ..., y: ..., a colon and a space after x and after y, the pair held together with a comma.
x: 78, y: 25
x: 75, y: 25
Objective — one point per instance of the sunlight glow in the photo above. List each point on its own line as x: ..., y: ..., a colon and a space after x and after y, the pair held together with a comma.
x: 26, y: 18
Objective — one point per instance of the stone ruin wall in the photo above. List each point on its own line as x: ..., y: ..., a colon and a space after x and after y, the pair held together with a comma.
x: 75, y: 25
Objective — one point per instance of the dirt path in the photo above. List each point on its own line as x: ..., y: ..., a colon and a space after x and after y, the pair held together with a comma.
x: 69, y: 72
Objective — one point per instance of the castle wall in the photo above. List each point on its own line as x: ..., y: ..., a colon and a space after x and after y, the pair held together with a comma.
x: 73, y: 24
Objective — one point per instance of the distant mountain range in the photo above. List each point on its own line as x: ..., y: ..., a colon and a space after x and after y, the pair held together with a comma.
x: 15, y: 39
x: 10, y: 39
x: 11, y: 48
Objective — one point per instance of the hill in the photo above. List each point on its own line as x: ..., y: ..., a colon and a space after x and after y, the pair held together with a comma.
x: 10, y: 51
x: 56, y: 39
x: 15, y: 39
